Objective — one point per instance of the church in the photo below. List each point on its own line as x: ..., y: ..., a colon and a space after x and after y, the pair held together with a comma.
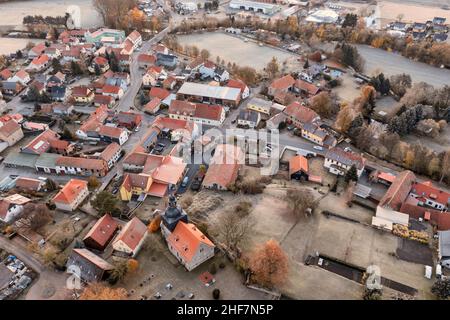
x: 186, y: 242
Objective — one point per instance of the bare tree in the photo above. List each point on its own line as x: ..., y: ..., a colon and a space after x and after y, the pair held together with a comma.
x: 233, y: 229
x: 299, y: 201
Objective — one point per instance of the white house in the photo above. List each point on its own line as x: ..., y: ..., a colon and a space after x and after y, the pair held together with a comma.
x: 71, y: 195
x: 21, y: 76
x: 11, y: 207
x: 338, y: 161
x: 131, y: 237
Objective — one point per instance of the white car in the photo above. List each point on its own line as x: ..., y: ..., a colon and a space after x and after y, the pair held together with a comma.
x: 318, y: 148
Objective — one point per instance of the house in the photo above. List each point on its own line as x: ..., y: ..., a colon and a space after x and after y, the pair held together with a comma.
x: 224, y: 167
x: 113, y: 91
x: 71, y: 195
x: 213, y: 115
x: 158, y: 93
x: 101, y: 233
x: 111, y: 154
x: 29, y: 184
x: 100, y: 99
x: 259, y: 105
x: 166, y: 60
x: 184, y: 240
x: 129, y: 120
x: 83, y: 94
x: 157, y: 174
x: 81, y: 166
x: 389, y: 209
x: 169, y: 83
x: 41, y: 143
x: 134, y: 185
x: 283, y: 84
x: 5, y: 74
x: 11, y: 132
x: 439, y: 20
x: 36, y: 51
x: 88, y: 130
x: 135, y: 38
x: 11, y: 88
x: 153, y: 106
x: 52, y: 52
x: 22, y: 77
x: 58, y: 93
x: 444, y: 248
x: 99, y: 65
x: 313, y: 132
x: 56, y: 108
x: 203, y: 93
x: 39, y: 63
x: 149, y: 79
x: 245, y: 91
x: 338, y: 161
x: 248, y: 118
x: 209, y: 70
x: 298, y: 168
x: 38, y: 86
x: 131, y: 237
x: 92, y: 268
x: 146, y: 60
x: 298, y: 115
x: 160, y: 48
x: 430, y: 196
x: 113, y: 134
x: 306, y: 88
x: 11, y: 207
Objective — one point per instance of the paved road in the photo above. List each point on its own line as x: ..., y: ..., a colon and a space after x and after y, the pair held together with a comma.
x: 136, y: 76
x: 391, y: 63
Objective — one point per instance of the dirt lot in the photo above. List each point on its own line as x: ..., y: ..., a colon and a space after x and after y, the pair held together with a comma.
x: 234, y: 49
x: 348, y: 90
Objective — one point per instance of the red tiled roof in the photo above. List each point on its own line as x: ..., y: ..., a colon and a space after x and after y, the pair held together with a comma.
x: 42, y: 59
x: 22, y: 74
x: 186, y: 239
x: 102, y: 231
x: 39, y: 48
x: 101, y: 61
x: 437, y: 218
x: 70, y: 191
x: 158, y: 93
x: 283, y: 83
x: 298, y: 163
x: 9, y: 128
x: 28, y: 183
x: 110, y: 151
x: 83, y: 163
x: 6, y: 74
x: 427, y: 190
x: 146, y: 58
x: 398, y: 191
x: 237, y: 84
x: 132, y: 234
x: 306, y: 86
x: 108, y: 131
x: 152, y: 105
x: 111, y: 89
x: 101, y: 99
x: 301, y: 113
x: 134, y: 36
x: 81, y: 91
x: 210, y: 112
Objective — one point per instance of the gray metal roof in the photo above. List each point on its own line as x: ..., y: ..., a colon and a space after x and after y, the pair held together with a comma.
x: 47, y: 160
x: 444, y: 243
x: 204, y: 90
x: 20, y: 159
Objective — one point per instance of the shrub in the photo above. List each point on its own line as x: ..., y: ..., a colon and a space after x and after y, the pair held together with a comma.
x: 216, y: 294
x: 243, y: 208
x: 213, y: 268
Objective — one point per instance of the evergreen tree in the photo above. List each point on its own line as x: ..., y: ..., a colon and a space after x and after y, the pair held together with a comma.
x: 351, y: 175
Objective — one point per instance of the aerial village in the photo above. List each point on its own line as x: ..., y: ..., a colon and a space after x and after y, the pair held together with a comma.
x: 104, y: 130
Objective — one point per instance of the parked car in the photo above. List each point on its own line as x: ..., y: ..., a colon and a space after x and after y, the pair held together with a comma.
x: 185, y: 182
x: 318, y: 148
